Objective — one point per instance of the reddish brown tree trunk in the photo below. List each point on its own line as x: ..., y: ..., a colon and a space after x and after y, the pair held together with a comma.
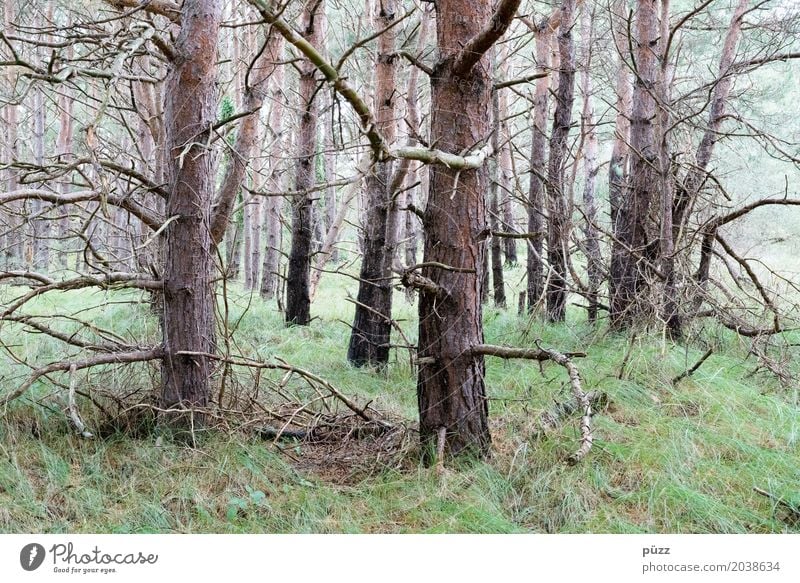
x: 370, y: 337
x: 450, y: 383
x: 558, y: 203
x: 189, y: 110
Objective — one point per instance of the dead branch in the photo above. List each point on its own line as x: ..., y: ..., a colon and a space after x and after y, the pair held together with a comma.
x: 542, y: 354
x: 65, y: 365
x: 689, y: 372
x: 308, y: 376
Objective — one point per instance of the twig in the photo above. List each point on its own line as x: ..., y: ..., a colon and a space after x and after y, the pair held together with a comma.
x: 691, y: 371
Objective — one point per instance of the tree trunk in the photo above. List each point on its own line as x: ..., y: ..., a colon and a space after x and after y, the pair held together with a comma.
x: 298, y: 298
x: 273, y: 204
x: 558, y: 204
x: 498, y: 284
x: 10, y: 227
x: 669, y: 310
x: 591, y: 235
x: 536, y: 210
x: 190, y: 109
x: 450, y: 381
x: 40, y: 236
x: 631, y: 236
x: 697, y: 175
x: 503, y: 153
x: 371, y: 333
x: 618, y: 166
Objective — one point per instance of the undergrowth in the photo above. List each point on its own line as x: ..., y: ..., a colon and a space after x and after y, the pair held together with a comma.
x: 667, y: 457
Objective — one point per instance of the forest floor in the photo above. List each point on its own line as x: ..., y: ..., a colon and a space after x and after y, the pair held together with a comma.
x: 681, y: 458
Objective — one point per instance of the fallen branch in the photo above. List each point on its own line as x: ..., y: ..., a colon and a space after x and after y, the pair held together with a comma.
x: 310, y: 377
x: 794, y: 511
x: 693, y: 369
x: 582, y: 399
x: 100, y: 359
x: 552, y: 418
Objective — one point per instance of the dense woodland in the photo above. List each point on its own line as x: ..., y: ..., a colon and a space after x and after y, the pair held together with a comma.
x: 404, y: 235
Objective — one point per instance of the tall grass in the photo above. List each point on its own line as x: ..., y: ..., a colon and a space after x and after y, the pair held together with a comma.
x: 681, y: 458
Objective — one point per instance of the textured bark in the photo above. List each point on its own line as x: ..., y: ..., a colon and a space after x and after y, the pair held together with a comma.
x: 371, y: 332
x: 669, y: 309
x: 631, y: 234
x: 40, y: 228
x: 498, y: 284
x: 63, y: 150
x: 618, y: 166
x: 450, y: 381
x: 298, y: 298
x: 10, y: 227
x: 189, y: 110
x: 591, y: 234
x: 536, y: 211
x: 273, y: 204
x: 505, y: 174
x: 558, y: 204
x: 696, y: 176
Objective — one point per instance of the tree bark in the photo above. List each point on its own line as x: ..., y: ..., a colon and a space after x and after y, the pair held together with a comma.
x: 273, y: 204
x: 371, y: 332
x: 189, y: 110
x: 591, y: 235
x: 450, y: 382
x: 558, y: 203
x: 298, y: 298
x: 669, y: 309
x: 618, y: 166
x: 498, y: 284
x: 536, y: 208
x: 631, y: 234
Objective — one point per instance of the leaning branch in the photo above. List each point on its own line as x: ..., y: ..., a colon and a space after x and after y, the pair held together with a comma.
x: 380, y: 149
x: 66, y: 365
x: 164, y: 8
x: 563, y: 359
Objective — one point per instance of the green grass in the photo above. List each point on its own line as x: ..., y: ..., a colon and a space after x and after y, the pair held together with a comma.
x: 666, y: 459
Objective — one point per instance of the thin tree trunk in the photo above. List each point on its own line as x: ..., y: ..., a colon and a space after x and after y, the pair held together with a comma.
x: 670, y: 313
x: 12, y: 238
x: 298, y: 298
x: 558, y: 205
x: 498, y: 284
x: 503, y: 153
x: 536, y: 210
x: 591, y: 169
x: 190, y: 107
x: 618, y: 166
x: 697, y: 174
x: 40, y: 227
x: 273, y: 204
x: 371, y: 333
